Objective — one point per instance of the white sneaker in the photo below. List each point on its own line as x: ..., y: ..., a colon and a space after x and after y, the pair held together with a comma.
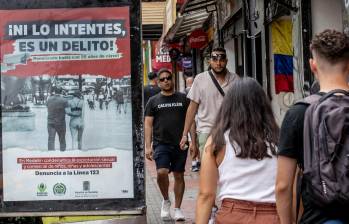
x: 178, y: 216
x: 165, y: 210
x: 213, y: 215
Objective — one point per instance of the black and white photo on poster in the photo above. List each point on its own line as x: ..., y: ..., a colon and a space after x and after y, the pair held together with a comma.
x: 51, y: 124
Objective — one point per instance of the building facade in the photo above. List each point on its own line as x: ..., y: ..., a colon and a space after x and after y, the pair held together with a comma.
x: 265, y: 39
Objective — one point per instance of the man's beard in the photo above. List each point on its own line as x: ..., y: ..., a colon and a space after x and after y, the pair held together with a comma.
x: 222, y: 72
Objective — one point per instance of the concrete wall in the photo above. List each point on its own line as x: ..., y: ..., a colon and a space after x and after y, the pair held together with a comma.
x: 229, y: 46
x: 327, y: 14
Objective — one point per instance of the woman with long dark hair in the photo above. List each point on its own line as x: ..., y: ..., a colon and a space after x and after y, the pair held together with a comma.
x: 240, y: 155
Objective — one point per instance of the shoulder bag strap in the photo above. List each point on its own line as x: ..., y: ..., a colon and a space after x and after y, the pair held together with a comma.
x: 299, y: 187
x: 216, y: 83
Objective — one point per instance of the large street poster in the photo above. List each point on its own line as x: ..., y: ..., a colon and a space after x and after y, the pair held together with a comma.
x: 66, y: 104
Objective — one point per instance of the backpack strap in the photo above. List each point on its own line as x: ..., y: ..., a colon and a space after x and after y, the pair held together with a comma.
x: 216, y: 83
x: 309, y: 99
x: 316, y: 97
x: 298, y: 192
x: 333, y: 92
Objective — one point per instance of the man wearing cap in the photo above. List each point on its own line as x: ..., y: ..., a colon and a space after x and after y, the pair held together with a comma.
x: 206, y: 97
x: 152, y: 88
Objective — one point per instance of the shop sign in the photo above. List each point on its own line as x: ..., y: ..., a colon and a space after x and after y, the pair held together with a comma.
x: 186, y: 62
x: 198, y: 39
x: 161, y: 59
x: 162, y: 56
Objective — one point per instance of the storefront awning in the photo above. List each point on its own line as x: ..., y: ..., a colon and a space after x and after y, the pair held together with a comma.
x: 193, y: 15
x: 186, y: 24
x: 193, y: 5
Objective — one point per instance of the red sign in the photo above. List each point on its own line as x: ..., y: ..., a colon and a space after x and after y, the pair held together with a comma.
x: 198, y: 39
x: 93, y: 41
x: 161, y: 59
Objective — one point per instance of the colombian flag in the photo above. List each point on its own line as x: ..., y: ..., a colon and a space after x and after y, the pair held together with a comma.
x: 283, y: 55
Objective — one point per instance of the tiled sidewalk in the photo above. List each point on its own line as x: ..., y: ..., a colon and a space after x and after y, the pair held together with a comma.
x: 154, y: 197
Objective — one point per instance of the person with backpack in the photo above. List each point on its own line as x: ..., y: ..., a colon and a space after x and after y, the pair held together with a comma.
x: 315, y: 136
x: 240, y: 155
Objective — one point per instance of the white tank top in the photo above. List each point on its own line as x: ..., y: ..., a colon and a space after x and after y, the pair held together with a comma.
x: 246, y: 179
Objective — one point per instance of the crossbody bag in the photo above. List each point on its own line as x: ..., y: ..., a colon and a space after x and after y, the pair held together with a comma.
x: 216, y: 83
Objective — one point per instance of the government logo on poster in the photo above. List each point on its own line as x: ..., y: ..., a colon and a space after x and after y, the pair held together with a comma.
x: 59, y: 189
x: 41, y: 190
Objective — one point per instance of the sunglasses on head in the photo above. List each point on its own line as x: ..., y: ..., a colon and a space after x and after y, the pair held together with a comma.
x: 216, y: 57
x: 168, y: 78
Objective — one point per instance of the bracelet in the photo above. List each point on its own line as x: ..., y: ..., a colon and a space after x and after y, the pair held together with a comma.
x: 185, y: 136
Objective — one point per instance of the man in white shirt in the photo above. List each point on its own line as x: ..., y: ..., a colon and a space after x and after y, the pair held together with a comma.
x: 206, y: 99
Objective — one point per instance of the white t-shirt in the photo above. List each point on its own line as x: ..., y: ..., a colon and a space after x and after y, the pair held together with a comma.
x: 205, y: 93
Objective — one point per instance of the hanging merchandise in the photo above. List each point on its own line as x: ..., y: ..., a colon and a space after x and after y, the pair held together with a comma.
x: 283, y: 55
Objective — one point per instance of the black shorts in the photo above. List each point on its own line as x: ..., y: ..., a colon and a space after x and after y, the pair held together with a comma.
x: 170, y: 157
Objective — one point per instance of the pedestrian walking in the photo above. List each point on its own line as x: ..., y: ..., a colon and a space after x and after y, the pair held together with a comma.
x: 330, y: 66
x: 91, y: 101
x: 206, y: 96
x: 107, y: 101
x: 101, y: 100
x: 164, y: 122
x: 151, y: 89
x: 75, y: 110
x: 240, y: 155
x: 188, y: 84
x: 56, y: 105
x: 195, y: 163
x: 120, y: 101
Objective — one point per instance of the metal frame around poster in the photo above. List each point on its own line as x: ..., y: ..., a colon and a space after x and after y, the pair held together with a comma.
x: 119, y: 206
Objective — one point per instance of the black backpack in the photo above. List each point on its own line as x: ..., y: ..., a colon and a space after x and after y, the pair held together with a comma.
x: 326, y: 148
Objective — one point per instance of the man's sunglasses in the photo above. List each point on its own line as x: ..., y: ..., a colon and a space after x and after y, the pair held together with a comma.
x: 168, y: 78
x: 218, y: 57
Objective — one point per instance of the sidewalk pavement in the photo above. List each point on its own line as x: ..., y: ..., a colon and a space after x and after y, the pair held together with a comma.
x: 154, y: 198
